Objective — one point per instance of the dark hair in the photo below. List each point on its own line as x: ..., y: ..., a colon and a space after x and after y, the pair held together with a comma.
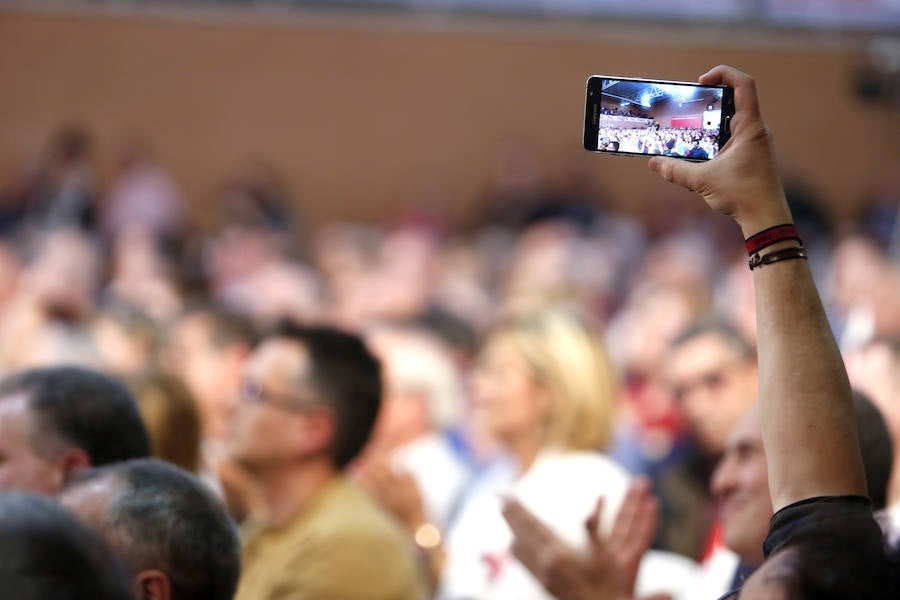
x: 83, y: 408
x: 721, y: 329
x: 348, y: 377
x: 841, y: 554
x: 46, y: 554
x: 876, y: 446
x: 162, y: 517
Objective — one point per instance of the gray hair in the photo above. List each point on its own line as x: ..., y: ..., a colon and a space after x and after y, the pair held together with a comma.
x: 162, y: 517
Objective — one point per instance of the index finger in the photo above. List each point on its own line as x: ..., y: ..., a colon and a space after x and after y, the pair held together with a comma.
x: 525, y: 526
x: 745, y: 97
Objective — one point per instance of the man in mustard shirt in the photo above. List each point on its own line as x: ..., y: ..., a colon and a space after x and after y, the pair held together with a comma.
x: 309, y: 400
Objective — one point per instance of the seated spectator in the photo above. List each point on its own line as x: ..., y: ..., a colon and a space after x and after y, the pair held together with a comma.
x: 174, y: 537
x: 712, y: 374
x: 310, y: 400
x: 410, y: 465
x: 741, y: 484
x: 142, y: 195
x: 59, y: 421
x: 64, y: 191
x: 46, y: 553
x: 545, y: 390
x: 696, y: 151
x: 875, y: 369
x: 125, y: 338
x: 207, y: 348
x: 423, y: 400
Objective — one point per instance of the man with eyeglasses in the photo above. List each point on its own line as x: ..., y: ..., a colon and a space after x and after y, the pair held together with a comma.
x: 711, y: 372
x: 309, y: 400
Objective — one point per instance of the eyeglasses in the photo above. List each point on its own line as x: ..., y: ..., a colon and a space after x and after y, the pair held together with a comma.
x: 253, y: 392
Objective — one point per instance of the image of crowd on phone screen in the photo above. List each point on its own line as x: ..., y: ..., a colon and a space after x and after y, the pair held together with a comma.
x: 688, y: 143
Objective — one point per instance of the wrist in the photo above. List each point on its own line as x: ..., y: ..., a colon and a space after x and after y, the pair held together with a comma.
x: 774, y: 212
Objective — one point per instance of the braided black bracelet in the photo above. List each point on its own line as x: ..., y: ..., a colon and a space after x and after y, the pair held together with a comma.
x: 784, y: 254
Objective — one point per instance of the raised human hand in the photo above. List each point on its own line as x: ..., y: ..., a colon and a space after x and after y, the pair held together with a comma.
x: 742, y: 180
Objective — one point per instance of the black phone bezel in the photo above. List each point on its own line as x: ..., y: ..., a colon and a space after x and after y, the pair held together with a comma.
x: 592, y: 95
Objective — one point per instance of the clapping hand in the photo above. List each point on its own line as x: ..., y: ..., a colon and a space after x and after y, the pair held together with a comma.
x: 607, y: 568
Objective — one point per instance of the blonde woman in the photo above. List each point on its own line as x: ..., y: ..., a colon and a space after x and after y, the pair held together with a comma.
x: 545, y: 391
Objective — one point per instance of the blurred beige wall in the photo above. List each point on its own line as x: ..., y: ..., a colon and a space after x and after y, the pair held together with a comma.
x: 361, y: 114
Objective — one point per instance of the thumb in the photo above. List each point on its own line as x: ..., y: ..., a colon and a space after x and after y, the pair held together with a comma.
x: 681, y: 172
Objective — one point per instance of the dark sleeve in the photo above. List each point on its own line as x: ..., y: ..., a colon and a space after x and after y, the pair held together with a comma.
x: 795, y: 519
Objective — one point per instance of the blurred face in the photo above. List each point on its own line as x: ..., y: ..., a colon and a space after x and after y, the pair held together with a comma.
x: 273, y: 423
x: 207, y: 371
x: 508, y: 401
x: 713, y: 386
x: 741, y: 484
x: 21, y: 467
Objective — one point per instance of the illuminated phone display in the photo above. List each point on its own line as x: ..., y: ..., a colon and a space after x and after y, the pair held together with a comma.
x: 644, y: 117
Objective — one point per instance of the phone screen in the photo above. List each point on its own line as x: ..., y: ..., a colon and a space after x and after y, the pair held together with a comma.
x: 644, y: 117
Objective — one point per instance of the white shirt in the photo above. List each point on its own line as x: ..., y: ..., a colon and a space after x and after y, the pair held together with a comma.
x: 715, y: 576
x: 437, y: 470
x: 561, y: 489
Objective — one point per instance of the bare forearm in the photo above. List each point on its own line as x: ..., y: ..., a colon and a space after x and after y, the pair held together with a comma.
x: 807, y: 415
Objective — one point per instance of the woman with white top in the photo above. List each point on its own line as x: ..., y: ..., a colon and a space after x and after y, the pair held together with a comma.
x: 545, y: 390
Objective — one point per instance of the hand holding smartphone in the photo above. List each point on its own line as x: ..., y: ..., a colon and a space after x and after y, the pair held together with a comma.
x: 636, y: 117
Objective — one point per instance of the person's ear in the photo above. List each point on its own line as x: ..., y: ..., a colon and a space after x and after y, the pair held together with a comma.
x: 152, y: 584
x: 71, y: 462
x: 318, y: 430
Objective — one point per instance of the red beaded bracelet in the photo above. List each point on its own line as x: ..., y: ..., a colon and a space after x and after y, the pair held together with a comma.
x: 772, y: 235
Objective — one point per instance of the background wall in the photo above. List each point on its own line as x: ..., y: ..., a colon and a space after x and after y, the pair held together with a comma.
x: 362, y: 114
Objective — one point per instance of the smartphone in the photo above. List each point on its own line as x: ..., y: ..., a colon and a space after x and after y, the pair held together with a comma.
x: 632, y: 117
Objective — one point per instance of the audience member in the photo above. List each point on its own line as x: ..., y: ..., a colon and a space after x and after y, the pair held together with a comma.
x: 423, y: 401
x: 174, y: 537
x: 741, y: 485
x: 63, y: 192
x: 125, y: 338
x: 207, y: 349
x: 711, y: 372
x: 45, y: 553
x: 59, y: 421
x: 411, y: 465
x: 875, y: 369
x: 142, y: 196
x: 546, y: 391
x: 310, y: 399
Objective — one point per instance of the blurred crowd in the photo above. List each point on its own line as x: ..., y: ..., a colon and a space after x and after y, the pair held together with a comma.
x: 640, y: 328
